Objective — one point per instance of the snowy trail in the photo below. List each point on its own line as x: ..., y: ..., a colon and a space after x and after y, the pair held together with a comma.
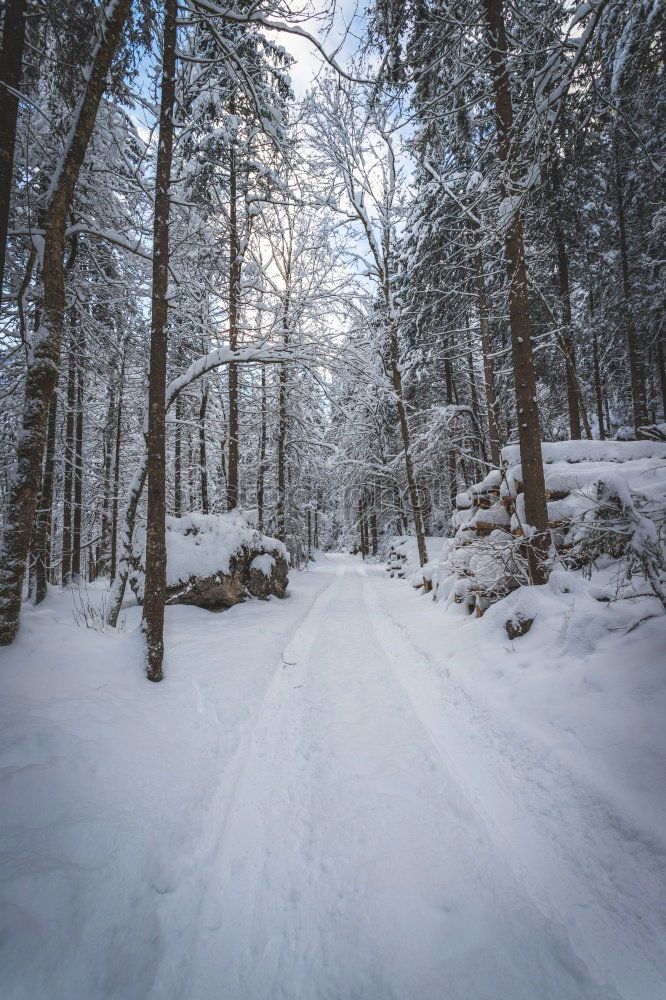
x: 352, y: 863
x: 325, y: 800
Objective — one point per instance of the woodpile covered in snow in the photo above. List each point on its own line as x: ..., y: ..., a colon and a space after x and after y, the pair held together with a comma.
x: 217, y: 560
x: 618, y: 484
x: 403, y: 558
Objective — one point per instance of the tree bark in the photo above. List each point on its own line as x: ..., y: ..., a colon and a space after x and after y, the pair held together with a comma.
x: 102, y: 561
x: 662, y: 377
x: 116, y: 466
x: 281, y: 496
x: 11, y: 59
x: 68, y: 472
x: 44, y: 361
x: 529, y: 430
x: 362, y: 528
x: 78, y: 456
x: 451, y: 455
x: 261, y: 472
x: 635, y: 366
x: 234, y: 301
x: 203, y: 470
x: 565, y: 339
x: 488, y: 370
x: 178, y: 460
x: 406, y: 443
x: 597, y: 372
x: 44, y: 513
x: 155, y: 580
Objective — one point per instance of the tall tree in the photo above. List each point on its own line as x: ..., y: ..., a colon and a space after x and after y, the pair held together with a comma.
x: 529, y: 428
x: 11, y: 59
x: 155, y: 581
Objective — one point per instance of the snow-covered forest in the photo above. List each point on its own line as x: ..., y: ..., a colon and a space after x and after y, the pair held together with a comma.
x: 333, y: 398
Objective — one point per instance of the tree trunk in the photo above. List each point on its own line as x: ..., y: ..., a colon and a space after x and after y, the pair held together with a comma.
x: 102, y: 562
x: 203, y: 470
x: 662, y: 377
x: 597, y: 373
x: 68, y: 477
x: 635, y: 366
x: 281, y: 497
x: 474, y: 395
x: 43, y: 520
x: 44, y: 360
x: 488, y: 369
x: 373, y: 529
x: 11, y: 59
x: 362, y: 527
x: 155, y: 579
x: 116, y: 467
x: 529, y: 430
x: 191, y: 472
x: 78, y: 457
x: 178, y: 460
x: 262, y: 454
x: 309, y: 520
x: 406, y: 443
x: 565, y: 339
x: 453, y: 478
x: 234, y: 301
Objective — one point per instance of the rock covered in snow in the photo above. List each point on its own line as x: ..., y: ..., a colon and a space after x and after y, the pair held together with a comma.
x: 217, y: 560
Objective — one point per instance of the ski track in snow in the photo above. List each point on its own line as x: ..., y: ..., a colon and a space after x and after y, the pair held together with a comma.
x: 367, y: 828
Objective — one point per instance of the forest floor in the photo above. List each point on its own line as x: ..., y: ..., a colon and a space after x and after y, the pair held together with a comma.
x: 352, y: 794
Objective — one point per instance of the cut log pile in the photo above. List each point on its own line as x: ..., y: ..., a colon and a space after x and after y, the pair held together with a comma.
x: 489, y: 520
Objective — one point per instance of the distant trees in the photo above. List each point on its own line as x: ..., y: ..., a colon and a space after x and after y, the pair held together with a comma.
x: 519, y: 115
x: 330, y: 315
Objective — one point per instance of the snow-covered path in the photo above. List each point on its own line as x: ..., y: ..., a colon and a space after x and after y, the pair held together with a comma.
x: 318, y: 804
x: 351, y: 862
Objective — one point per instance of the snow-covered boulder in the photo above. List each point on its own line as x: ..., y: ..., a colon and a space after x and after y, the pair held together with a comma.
x: 217, y: 560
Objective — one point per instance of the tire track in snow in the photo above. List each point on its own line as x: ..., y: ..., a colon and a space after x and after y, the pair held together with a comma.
x: 246, y: 856
x: 568, y: 872
x: 203, y: 918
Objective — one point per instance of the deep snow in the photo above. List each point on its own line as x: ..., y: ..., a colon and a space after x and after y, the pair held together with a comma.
x: 353, y: 794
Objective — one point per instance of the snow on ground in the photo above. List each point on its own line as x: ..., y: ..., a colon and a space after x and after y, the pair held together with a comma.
x: 353, y: 794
